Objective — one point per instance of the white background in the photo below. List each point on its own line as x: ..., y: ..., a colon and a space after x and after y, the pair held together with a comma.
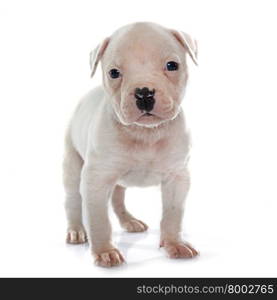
x: 231, y: 108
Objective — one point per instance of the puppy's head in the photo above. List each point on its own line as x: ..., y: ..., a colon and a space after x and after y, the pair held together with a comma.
x: 145, y: 72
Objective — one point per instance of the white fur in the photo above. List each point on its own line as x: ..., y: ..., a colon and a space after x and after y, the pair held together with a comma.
x: 106, y: 154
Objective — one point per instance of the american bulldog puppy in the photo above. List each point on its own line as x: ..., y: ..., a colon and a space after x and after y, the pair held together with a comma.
x: 128, y: 132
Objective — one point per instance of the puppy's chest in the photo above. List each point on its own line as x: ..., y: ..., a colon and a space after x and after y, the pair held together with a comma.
x: 148, y: 167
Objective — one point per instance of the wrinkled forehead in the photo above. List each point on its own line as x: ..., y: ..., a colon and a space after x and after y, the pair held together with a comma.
x: 141, y: 43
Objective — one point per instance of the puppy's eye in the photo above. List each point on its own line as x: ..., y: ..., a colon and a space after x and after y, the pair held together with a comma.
x: 114, y: 73
x: 172, y: 66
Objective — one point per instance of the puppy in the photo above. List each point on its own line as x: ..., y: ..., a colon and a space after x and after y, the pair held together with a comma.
x: 130, y: 132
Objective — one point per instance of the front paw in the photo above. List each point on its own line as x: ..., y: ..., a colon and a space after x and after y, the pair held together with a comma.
x: 109, y: 258
x: 179, y: 249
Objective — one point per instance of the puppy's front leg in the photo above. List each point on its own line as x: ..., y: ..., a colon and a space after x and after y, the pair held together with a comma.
x: 96, y: 188
x: 174, y: 192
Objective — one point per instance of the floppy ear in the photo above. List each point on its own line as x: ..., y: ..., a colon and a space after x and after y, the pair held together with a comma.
x: 96, y: 55
x: 187, y: 42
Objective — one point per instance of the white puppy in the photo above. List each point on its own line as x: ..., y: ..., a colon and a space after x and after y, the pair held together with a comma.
x: 130, y: 132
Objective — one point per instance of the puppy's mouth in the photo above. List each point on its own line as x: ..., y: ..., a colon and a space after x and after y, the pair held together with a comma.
x: 148, y: 118
x: 145, y: 114
x: 148, y: 114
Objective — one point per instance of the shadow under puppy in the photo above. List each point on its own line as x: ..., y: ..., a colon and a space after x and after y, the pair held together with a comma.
x: 130, y: 132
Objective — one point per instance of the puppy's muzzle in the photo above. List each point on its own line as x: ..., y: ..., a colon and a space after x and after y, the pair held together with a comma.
x: 145, y: 99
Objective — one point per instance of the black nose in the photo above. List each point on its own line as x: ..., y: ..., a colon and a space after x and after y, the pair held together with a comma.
x: 145, y: 98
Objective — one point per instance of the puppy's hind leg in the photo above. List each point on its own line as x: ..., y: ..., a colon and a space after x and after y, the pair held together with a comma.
x: 72, y: 166
x: 127, y: 221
